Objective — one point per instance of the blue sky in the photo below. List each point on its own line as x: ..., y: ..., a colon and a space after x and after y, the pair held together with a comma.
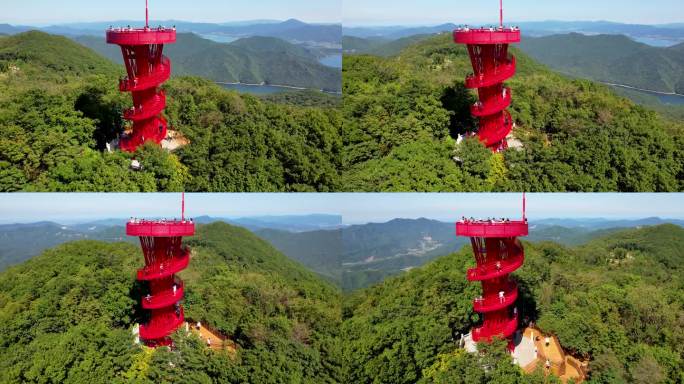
x: 40, y: 12
x: 355, y: 208
x: 427, y: 12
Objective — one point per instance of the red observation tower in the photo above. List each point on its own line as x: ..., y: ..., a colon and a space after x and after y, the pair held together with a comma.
x: 147, y: 69
x: 492, y: 65
x: 165, y: 255
x: 498, y: 253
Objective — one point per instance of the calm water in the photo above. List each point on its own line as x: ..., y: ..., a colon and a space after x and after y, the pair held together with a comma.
x: 219, y: 38
x: 256, y: 89
x: 671, y: 99
x: 334, y: 61
x: 654, y: 42
x: 665, y: 99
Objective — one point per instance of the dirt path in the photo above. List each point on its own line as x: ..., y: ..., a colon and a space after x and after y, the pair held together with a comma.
x: 218, y: 341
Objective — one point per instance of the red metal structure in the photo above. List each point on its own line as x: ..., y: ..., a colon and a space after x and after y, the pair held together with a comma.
x: 492, y: 65
x: 165, y: 255
x: 147, y: 69
x: 498, y: 253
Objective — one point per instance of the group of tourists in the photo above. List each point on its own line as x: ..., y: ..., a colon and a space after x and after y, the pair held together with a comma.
x: 490, y: 220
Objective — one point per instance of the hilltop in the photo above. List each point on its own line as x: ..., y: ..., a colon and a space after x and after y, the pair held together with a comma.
x: 615, y: 300
x: 250, y: 60
x: 42, y: 55
x: 57, y: 112
x: 75, y: 325
x: 403, y: 114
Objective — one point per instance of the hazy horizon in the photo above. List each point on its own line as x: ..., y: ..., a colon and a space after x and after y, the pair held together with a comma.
x: 354, y: 208
x: 495, y: 22
x: 401, y: 12
x: 45, y: 12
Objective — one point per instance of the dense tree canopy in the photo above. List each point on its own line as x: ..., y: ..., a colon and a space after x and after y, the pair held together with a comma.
x: 58, y: 109
x: 616, y: 301
x: 66, y: 316
x: 401, y: 115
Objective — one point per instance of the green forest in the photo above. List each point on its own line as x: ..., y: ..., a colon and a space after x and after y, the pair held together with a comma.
x: 616, y: 300
x: 66, y: 316
x: 60, y: 105
x: 401, y: 116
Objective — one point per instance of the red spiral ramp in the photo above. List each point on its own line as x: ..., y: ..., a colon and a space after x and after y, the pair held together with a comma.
x: 498, y: 253
x: 147, y: 68
x: 165, y: 256
x: 492, y: 65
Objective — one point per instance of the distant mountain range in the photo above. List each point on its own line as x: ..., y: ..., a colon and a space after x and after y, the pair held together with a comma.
x: 251, y: 60
x: 327, y: 35
x: 360, y: 255
x: 23, y: 241
x: 611, y: 58
x: 673, y: 33
x: 352, y: 256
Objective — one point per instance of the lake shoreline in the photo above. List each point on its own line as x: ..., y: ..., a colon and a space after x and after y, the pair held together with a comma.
x: 641, y: 89
x: 292, y: 87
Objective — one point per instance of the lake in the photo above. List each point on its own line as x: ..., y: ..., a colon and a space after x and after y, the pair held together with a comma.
x: 219, y: 38
x: 255, y: 89
x: 655, y: 42
x: 664, y: 98
x: 670, y: 99
x: 334, y: 61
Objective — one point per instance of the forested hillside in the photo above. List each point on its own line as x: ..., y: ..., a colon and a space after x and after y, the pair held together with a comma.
x: 60, y: 104
x: 611, y: 58
x: 66, y: 316
x: 617, y: 300
x: 251, y: 60
x: 401, y: 116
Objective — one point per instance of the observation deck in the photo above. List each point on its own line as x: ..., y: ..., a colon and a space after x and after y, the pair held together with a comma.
x: 487, y: 36
x: 492, y: 228
x: 141, y: 36
x: 160, y: 228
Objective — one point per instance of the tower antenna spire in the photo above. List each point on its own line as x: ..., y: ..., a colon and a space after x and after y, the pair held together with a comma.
x: 524, y: 206
x: 183, y: 206
x: 501, y: 14
x: 147, y: 14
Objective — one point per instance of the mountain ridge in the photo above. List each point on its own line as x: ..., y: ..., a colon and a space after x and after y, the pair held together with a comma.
x: 611, y: 58
x: 251, y: 60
